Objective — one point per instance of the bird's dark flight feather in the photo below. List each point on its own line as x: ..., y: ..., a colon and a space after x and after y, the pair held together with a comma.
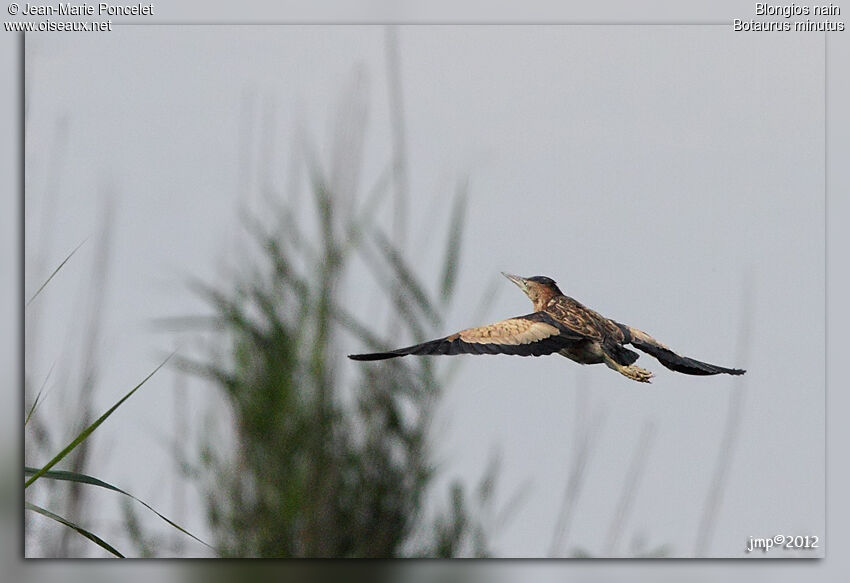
x: 621, y: 354
x: 473, y: 341
x: 681, y: 364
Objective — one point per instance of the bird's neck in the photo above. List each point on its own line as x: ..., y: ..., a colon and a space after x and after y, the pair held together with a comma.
x: 543, y: 300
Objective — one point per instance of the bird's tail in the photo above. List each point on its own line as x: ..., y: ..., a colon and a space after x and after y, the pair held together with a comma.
x: 643, y: 341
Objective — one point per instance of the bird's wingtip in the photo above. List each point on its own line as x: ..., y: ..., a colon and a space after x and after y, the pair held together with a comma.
x: 373, y: 356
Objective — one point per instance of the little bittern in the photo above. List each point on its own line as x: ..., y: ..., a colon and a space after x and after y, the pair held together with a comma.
x: 560, y: 324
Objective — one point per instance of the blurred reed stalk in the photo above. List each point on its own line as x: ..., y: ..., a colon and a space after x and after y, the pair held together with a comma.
x: 631, y: 485
x: 587, y: 426
x: 732, y: 427
x: 399, y: 164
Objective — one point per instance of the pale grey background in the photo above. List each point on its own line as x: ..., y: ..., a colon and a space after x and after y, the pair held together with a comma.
x: 838, y: 139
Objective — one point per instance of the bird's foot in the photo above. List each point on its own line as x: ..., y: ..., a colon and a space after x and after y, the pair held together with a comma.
x: 636, y: 373
x: 631, y: 371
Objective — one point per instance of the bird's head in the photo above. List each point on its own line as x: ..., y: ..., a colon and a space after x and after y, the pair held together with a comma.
x: 539, y: 289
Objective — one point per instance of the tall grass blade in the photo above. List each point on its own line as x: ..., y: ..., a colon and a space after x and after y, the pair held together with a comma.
x: 364, y: 220
x: 732, y: 427
x: 453, y: 246
x: 402, y: 303
x: 38, y: 395
x: 631, y: 485
x: 88, y: 430
x: 92, y: 481
x: 587, y: 426
x: 358, y: 329
x: 92, y: 537
x: 406, y: 279
x: 55, y: 271
x: 186, y: 323
x: 399, y: 139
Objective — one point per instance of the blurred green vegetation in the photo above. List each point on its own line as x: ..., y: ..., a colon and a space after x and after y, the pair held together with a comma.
x: 326, y: 465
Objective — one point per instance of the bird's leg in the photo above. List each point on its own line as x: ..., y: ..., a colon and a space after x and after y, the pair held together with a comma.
x: 633, y: 372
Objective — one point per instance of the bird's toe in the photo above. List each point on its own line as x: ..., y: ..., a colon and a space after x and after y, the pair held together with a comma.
x: 640, y: 375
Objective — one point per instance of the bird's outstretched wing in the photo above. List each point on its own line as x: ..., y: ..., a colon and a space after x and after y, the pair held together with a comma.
x: 643, y: 341
x: 536, y: 334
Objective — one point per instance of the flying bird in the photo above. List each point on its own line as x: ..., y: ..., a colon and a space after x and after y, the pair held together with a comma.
x: 562, y: 325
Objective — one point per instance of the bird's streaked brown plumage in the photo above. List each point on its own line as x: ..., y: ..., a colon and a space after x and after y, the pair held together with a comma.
x: 559, y: 324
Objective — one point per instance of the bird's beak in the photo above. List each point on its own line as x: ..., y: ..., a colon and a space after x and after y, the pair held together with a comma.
x: 519, y: 281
